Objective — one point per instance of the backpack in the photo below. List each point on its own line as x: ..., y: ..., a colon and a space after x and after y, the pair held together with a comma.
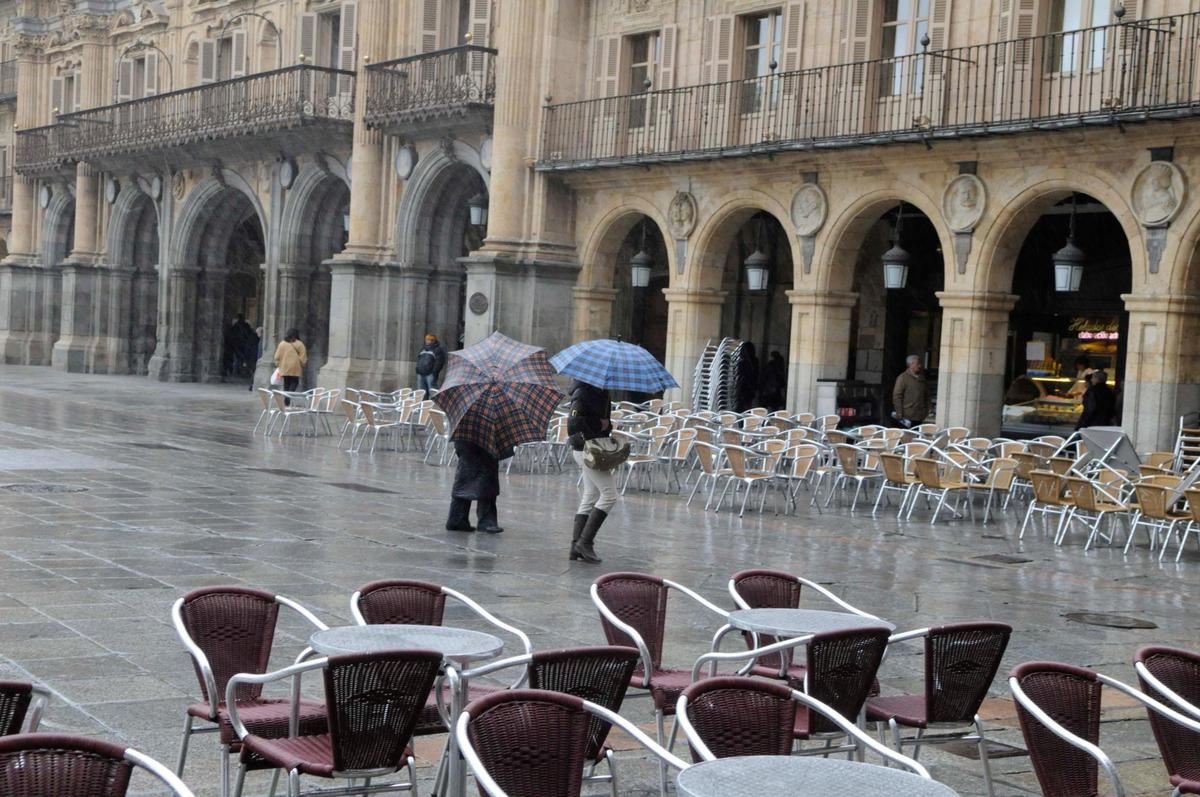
x: 426, y: 361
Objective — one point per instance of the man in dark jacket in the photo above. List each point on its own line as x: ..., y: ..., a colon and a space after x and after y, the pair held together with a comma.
x: 910, y: 394
x: 477, y: 478
x: 1099, y: 403
x: 430, y: 362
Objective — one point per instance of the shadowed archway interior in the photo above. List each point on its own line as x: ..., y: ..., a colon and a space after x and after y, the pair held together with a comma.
x: 322, y: 234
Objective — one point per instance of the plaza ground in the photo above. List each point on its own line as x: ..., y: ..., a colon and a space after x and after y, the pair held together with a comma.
x: 178, y: 494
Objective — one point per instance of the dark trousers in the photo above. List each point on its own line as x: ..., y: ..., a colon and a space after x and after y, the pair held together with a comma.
x: 460, y: 513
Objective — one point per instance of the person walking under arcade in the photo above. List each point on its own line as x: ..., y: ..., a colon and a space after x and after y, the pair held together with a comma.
x: 589, y: 420
x: 290, y: 359
x: 910, y: 394
x: 430, y: 362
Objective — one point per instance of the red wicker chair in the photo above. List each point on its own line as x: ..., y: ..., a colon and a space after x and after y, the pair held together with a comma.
x: 1173, y: 675
x: 633, y: 612
x: 735, y: 716
x: 960, y: 662
x: 21, y: 706
x: 52, y: 765
x: 373, y: 700
x: 840, y: 672
x: 1059, y: 709
x: 229, y: 630
x: 535, y: 743
x: 407, y: 602
x: 776, y: 589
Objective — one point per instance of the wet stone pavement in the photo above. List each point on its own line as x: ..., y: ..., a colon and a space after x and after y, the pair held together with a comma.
x: 118, y: 495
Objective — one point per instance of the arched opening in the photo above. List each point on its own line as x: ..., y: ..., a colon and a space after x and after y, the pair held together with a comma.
x: 58, y: 237
x: 322, y: 233
x: 756, y: 276
x: 1056, y: 335
x: 640, y: 272
x: 892, y: 318
x: 139, y: 253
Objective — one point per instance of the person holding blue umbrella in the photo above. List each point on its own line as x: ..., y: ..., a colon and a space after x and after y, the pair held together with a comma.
x: 599, y: 366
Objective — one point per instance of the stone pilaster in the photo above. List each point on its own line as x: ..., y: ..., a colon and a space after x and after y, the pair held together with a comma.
x: 820, y: 343
x: 174, y: 359
x: 693, y: 319
x: 210, y: 323
x: 355, y: 303
x: 366, y: 242
x: 970, y: 390
x: 1162, y: 367
x: 79, y: 286
x: 529, y: 300
x: 592, y: 312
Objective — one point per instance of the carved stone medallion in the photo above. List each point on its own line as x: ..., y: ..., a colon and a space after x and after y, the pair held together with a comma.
x: 681, y: 216
x: 809, y: 209
x: 478, y: 303
x: 178, y: 185
x: 1158, y: 193
x: 963, y: 202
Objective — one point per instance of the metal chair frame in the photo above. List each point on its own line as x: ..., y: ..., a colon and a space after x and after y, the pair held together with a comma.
x: 39, y: 699
x: 135, y: 758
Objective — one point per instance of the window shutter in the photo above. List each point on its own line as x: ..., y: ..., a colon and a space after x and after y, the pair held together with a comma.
x: 208, y: 61
x: 308, y: 37
x: 1129, y: 36
x: 723, y: 49
x: 1023, y: 26
x: 481, y: 22
x: 611, y: 66
x: 860, y: 40
x: 939, y: 24
x: 237, y: 57
x: 793, y: 24
x: 56, y: 96
x: 124, y: 80
x: 348, y: 46
x: 666, y: 67
x: 151, y: 86
x: 431, y: 25
x: 706, y: 54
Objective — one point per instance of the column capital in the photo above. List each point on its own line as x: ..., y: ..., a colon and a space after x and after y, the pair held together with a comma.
x: 822, y: 298
x: 687, y: 296
x: 969, y: 300
x: 1161, y: 303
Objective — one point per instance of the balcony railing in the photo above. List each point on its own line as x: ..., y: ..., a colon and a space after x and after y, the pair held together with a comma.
x: 8, y: 80
x: 263, y: 103
x: 437, y: 86
x: 36, y: 150
x: 1127, y: 72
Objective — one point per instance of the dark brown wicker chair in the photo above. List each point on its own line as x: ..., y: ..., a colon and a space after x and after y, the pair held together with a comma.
x: 777, y: 589
x: 52, y: 765
x: 1173, y: 675
x: 408, y: 602
x: 230, y: 630
x: 534, y: 743
x: 1059, y: 709
x: 21, y: 706
x: 373, y: 700
x: 960, y: 662
x: 840, y: 673
x: 633, y: 612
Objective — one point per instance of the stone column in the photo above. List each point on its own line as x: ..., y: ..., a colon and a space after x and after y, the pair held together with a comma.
x: 354, y: 305
x: 115, y: 322
x: 970, y: 390
x: 820, y: 343
x: 210, y: 323
x: 317, y: 312
x: 693, y: 319
x: 80, y: 286
x: 592, y: 312
x: 22, y: 242
x: 429, y: 300
x: 1162, y: 367
x: 174, y: 357
x: 291, y: 303
x: 365, y: 242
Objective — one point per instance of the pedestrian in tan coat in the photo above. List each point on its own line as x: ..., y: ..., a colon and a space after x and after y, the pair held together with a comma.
x: 910, y: 395
x: 290, y: 359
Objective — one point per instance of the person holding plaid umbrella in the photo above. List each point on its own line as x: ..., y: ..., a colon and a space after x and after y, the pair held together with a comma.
x: 497, y: 394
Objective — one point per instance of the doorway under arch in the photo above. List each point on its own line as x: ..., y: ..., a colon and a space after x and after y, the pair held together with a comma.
x: 134, y: 248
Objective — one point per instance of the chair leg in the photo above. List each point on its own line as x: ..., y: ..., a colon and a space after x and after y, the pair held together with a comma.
x: 275, y: 782
x: 224, y: 770
x: 662, y: 765
x: 294, y: 783
x: 241, y: 780
x: 183, y: 744
x: 612, y: 772
x: 1028, y: 514
x: 983, y: 757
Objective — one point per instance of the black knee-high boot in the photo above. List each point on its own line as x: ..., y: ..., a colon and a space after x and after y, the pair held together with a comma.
x: 584, y: 547
x: 580, y: 522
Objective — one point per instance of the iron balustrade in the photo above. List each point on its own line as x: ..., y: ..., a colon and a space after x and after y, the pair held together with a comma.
x: 261, y: 103
x: 445, y: 83
x: 8, y: 80
x: 36, y: 150
x: 1130, y: 71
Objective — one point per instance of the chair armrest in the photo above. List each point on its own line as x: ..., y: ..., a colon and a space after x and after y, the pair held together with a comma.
x: 199, y: 657
x: 629, y: 631
x: 637, y: 733
x: 269, y: 677
x: 38, y: 703
x: 1191, y: 723
x: 170, y: 779
x: 834, y: 598
x: 494, y: 621
x: 303, y: 612
x: 1167, y: 692
x: 1062, y: 733
x: 751, y: 654
x: 698, y: 598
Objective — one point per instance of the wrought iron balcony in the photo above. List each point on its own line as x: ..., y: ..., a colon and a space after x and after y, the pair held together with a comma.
x: 36, y: 151
x: 285, y: 109
x: 8, y: 80
x: 445, y: 89
x: 1135, y: 71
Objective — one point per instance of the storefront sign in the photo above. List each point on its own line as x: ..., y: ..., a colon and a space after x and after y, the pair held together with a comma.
x: 1085, y: 324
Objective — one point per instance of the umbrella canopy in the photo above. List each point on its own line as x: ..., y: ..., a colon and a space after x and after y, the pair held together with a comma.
x: 498, y: 394
x: 614, y: 365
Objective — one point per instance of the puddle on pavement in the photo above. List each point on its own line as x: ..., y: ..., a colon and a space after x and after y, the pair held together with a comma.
x: 282, y: 472
x: 40, y: 489
x: 1003, y: 558
x: 1108, y: 620
x: 360, y: 488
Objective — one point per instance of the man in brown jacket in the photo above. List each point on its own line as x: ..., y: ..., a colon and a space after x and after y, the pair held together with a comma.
x: 910, y: 396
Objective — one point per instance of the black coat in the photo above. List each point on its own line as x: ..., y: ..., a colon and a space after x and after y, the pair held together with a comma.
x: 1099, y: 407
x: 590, y: 412
x: 477, y: 477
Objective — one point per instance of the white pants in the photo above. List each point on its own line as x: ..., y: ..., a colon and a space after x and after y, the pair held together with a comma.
x: 599, y: 488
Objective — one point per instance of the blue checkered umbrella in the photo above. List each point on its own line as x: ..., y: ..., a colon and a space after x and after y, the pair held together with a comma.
x: 614, y: 365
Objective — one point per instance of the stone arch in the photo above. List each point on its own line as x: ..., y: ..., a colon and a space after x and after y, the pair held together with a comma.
x: 606, y: 235
x: 710, y: 243
x: 130, y: 208
x: 58, y: 226
x: 212, y: 206
x: 424, y: 191
x: 134, y: 250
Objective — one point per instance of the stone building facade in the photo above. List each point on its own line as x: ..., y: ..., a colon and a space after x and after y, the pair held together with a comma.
x: 313, y: 164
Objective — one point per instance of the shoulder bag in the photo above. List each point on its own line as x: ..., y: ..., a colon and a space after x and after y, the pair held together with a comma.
x: 604, y: 453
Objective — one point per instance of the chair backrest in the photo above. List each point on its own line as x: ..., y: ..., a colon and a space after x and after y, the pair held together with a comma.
x: 1152, y: 499
x: 531, y: 742
x: 803, y: 457
x: 1041, y: 448
x: 927, y: 472
x: 926, y: 429
x: 960, y: 662
x: 751, y: 422
x: 47, y: 765
x: 1083, y: 493
x: 350, y: 410
x: 437, y: 420
x: 1027, y: 463
x: 683, y: 443
x: 828, y: 423
x: 401, y: 602
x: 841, y: 671
x: 15, y: 697
x: 848, y: 458
x: 738, y: 459
x: 1061, y: 465
x: 1071, y: 695
x: 1179, y: 671
x: 600, y: 675
x: 1047, y: 486
x: 956, y: 433
x: 768, y: 589
x: 707, y: 456
x: 741, y: 716
x: 893, y: 468
x: 264, y: 396
x: 368, y: 411
x: 915, y: 449
x: 1002, y: 473
x: 373, y: 702
x: 1193, y: 502
x: 235, y: 627
x: 640, y: 601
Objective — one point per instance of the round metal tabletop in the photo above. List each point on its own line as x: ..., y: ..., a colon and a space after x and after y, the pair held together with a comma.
x: 753, y: 776
x: 799, y: 622
x: 456, y: 644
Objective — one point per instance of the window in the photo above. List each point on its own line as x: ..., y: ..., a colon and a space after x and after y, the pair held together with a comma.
x: 645, y: 52
x: 329, y: 40
x: 905, y: 24
x: 138, y: 89
x: 1075, y: 47
x: 464, y: 23
x: 68, y: 94
x: 763, y: 37
x: 225, y: 58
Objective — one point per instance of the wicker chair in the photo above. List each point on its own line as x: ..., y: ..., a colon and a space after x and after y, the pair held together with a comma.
x: 1049, y: 498
x: 373, y: 700
x: 53, y: 765
x: 21, y: 706
x: 775, y: 589
x: 1058, y: 706
x: 230, y: 630
x: 896, y: 479
x: 534, y: 743
x: 931, y: 483
x: 633, y: 612
x: 960, y: 662
x: 1173, y: 676
x: 734, y: 716
x: 408, y: 602
x: 852, y: 468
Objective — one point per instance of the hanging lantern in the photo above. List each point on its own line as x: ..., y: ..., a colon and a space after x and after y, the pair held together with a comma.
x: 758, y: 266
x: 897, y: 259
x: 478, y: 207
x: 640, y: 266
x: 1068, y: 261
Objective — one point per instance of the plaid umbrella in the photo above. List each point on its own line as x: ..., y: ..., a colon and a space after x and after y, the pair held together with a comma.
x: 614, y: 365
x: 498, y: 394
